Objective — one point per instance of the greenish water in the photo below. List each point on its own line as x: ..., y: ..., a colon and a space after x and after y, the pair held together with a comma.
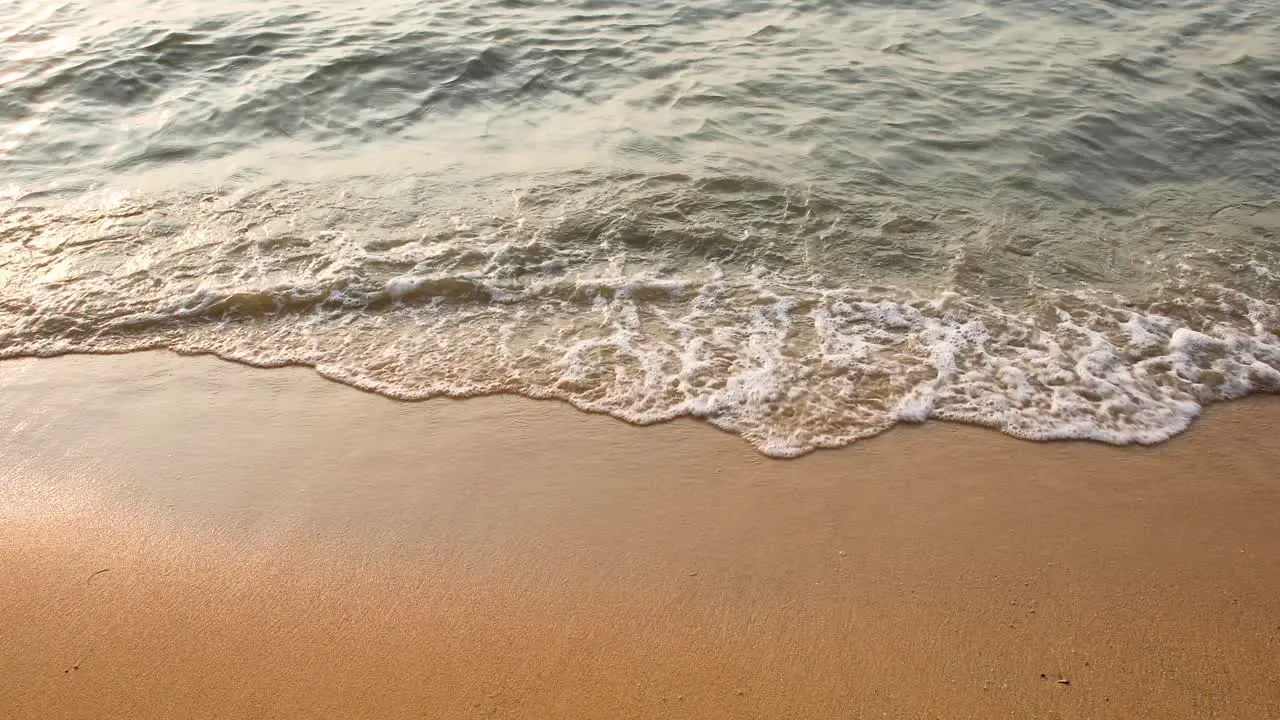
x: 803, y: 221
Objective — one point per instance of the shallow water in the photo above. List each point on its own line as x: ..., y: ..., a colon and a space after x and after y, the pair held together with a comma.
x: 802, y: 221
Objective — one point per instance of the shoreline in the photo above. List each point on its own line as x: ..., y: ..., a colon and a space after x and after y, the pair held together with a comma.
x: 276, y: 544
x: 1210, y: 407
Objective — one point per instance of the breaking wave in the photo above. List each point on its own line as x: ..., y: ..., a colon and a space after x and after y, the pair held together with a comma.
x: 629, y: 324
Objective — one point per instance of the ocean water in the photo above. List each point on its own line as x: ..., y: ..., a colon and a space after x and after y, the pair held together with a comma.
x: 803, y: 221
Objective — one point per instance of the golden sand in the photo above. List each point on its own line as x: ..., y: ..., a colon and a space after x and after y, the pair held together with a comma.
x: 187, y: 538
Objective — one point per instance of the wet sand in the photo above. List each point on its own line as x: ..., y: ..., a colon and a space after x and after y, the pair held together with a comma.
x: 184, y: 537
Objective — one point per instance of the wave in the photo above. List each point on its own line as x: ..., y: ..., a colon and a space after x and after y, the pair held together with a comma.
x: 565, y: 305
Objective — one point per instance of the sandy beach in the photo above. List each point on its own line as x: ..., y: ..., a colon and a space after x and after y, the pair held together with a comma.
x: 182, y: 537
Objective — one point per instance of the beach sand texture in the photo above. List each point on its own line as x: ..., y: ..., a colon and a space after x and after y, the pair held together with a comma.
x: 188, y: 538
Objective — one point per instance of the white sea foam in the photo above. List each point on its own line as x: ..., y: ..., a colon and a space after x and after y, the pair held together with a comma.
x: 790, y: 373
x: 791, y: 363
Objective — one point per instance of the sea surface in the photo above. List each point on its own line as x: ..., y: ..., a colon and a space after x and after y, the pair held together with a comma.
x: 803, y: 221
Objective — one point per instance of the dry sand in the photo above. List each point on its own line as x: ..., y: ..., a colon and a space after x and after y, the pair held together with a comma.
x: 187, y: 538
